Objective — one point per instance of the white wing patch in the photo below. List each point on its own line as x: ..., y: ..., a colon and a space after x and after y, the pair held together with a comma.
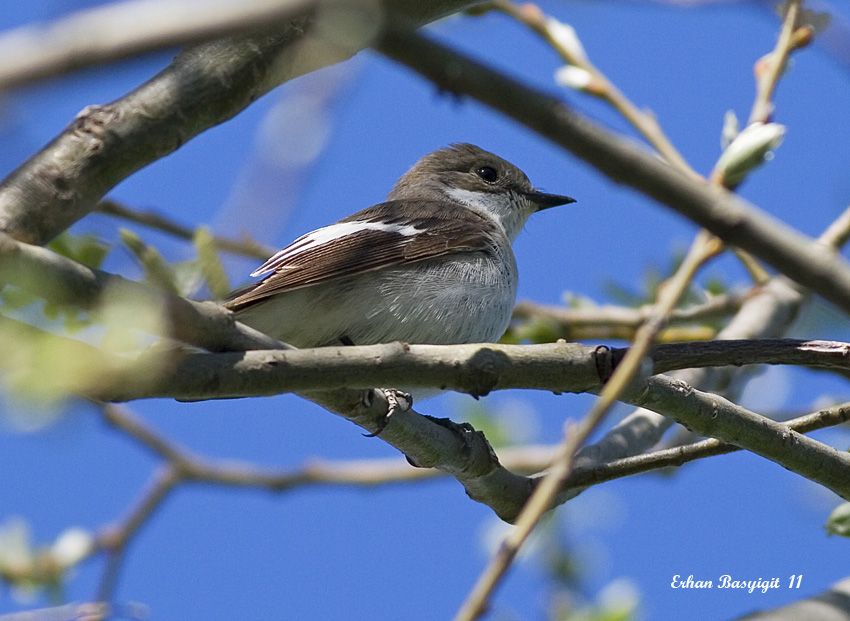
x: 327, y: 234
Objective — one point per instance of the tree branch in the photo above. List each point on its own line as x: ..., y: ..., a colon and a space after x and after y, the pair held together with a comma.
x: 245, y: 247
x: 123, y: 29
x: 608, y: 321
x: 730, y: 218
x: 459, y: 449
x: 475, y: 369
x: 768, y: 79
x: 599, y: 85
x: 114, y: 540
x: 184, y: 467
x: 767, y: 312
x: 203, y: 86
x: 714, y: 416
x: 583, y: 476
x: 522, y: 459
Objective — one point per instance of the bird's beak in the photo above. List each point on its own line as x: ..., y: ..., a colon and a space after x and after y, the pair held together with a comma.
x: 545, y: 201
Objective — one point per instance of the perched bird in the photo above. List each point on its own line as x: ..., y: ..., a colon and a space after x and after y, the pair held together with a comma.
x: 432, y: 264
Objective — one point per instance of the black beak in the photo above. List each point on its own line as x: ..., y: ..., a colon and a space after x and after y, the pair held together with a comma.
x: 545, y: 201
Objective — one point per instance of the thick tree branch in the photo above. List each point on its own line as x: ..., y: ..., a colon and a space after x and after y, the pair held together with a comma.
x: 202, y: 87
x: 464, y: 453
x: 123, y: 29
x: 427, y: 442
x: 476, y: 369
x: 730, y: 218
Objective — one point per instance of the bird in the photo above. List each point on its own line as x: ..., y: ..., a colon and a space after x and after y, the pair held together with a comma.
x: 433, y: 264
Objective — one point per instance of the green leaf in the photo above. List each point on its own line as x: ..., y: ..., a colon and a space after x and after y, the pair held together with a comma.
x: 538, y: 330
x: 210, y: 263
x: 838, y: 522
x: 479, y: 417
x: 188, y: 276
x: 12, y: 298
x: 86, y: 249
x: 716, y: 286
x: 157, y: 271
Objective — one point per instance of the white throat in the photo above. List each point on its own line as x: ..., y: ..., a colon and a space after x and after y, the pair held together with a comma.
x: 508, y: 209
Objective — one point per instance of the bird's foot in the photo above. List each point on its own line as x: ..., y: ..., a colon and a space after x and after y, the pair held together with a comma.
x: 397, y: 401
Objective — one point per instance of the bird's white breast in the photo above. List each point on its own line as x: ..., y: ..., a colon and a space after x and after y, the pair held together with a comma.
x: 466, y: 298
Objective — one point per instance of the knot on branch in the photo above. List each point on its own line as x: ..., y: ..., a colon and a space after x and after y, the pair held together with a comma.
x: 606, y: 360
x: 477, y: 455
x: 482, y: 372
x: 92, y: 122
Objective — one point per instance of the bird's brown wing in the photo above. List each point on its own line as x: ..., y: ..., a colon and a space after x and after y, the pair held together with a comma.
x: 386, y: 235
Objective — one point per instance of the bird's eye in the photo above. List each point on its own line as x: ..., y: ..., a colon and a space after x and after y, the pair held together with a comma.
x: 487, y: 173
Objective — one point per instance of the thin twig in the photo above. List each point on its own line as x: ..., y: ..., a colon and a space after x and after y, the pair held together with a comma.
x: 724, y: 214
x: 608, y: 321
x: 187, y: 467
x: 154, y: 220
x: 527, y: 459
x: 644, y: 121
x: 703, y: 249
x: 775, y: 64
x: 114, y: 540
x: 838, y: 232
x: 120, y: 418
x: 600, y: 86
x: 666, y: 458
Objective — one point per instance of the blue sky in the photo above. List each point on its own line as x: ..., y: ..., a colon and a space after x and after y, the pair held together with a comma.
x: 413, y: 551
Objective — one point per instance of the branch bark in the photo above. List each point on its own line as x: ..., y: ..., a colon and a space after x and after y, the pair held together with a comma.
x: 711, y: 415
x: 123, y: 29
x: 475, y: 369
x: 204, y: 86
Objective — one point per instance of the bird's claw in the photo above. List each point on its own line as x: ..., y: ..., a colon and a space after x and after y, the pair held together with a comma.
x: 397, y: 401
